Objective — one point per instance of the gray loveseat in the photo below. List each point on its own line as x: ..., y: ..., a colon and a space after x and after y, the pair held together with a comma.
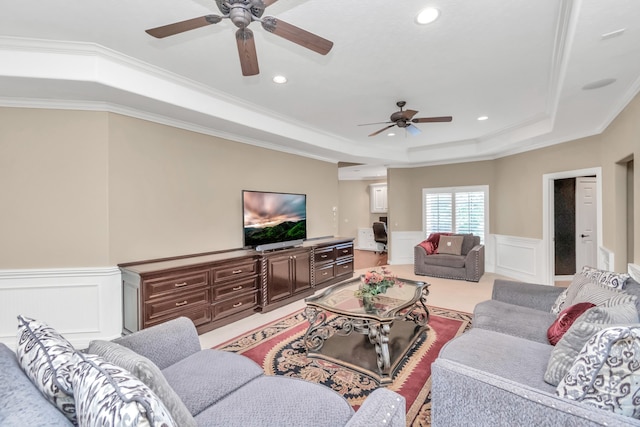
x: 202, y: 387
x: 469, y: 265
x: 493, y: 375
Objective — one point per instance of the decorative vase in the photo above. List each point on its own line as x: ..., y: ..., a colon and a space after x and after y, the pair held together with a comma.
x: 367, y: 303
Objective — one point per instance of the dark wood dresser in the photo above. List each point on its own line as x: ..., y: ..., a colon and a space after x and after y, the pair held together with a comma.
x: 217, y: 288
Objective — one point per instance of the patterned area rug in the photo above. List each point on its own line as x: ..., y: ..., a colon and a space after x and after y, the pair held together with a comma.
x: 279, y: 348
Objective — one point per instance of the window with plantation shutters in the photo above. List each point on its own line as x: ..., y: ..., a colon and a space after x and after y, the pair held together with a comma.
x: 456, y: 210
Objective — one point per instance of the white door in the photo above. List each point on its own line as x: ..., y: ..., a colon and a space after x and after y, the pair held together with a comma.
x: 586, y: 224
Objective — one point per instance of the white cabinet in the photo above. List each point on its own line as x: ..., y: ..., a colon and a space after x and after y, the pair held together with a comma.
x: 378, y: 198
x: 366, y: 241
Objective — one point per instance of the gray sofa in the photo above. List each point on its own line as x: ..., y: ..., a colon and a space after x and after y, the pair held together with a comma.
x: 202, y: 387
x: 469, y: 265
x: 493, y: 375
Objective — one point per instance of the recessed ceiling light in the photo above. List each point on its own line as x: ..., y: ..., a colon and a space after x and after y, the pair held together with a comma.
x: 280, y: 79
x: 427, y: 16
x: 391, y: 134
x: 598, y: 84
x: 481, y: 118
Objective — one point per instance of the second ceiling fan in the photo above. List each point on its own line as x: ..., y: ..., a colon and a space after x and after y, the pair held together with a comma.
x: 404, y: 119
x: 242, y: 13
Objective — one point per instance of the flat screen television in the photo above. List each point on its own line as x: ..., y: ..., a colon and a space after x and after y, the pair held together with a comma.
x: 273, y: 220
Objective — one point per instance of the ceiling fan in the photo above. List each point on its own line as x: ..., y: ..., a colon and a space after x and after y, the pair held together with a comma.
x: 242, y: 13
x: 404, y: 119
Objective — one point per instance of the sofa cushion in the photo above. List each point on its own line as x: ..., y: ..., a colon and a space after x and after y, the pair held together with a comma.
x: 468, y: 242
x: 565, y: 299
x: 564, y: 321
x: 22, y: 403
x: 592, y: 321
x: 107, y: 395
x: 513, y: 320
x: 450, y: 245
x: 46, y: 358
x: 279, y: 401
x: 516, y: 359
x: 445, y: 260
x: 147, y: 372
x: 206, y: 377
x: 606, y: 373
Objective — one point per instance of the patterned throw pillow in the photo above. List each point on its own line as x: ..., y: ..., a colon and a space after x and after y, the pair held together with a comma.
x: 147, y: 372
x: 564, y: 321
x: 606, y: 373
x: 607, y: 278
x: 109, y: 396
x: 46, y: 357
x: 597, y: 294
x: 565, y: 299
x: 592, y: 321
x: 450, y: 245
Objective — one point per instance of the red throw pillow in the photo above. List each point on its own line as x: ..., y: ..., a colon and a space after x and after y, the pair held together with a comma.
x: 565, y: 320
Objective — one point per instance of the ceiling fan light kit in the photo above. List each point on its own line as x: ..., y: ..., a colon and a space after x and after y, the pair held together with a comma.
x: 242, y: 13
x: 404, y: 119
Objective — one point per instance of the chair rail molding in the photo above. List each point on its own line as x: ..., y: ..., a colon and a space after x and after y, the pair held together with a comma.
x: 520, y: 258
x: 83, y: 304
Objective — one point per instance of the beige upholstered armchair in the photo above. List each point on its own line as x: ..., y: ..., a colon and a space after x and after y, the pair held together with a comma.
x: 468, y: 265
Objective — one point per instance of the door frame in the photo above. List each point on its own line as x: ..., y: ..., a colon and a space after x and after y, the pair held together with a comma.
x: 548, y: 244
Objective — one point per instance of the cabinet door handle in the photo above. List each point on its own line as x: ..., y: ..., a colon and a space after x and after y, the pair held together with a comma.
x: 180, y: 304
x: 179, y: 285
x: 345, y: 251
x: 323, y: 256
x: 237, y: 305
x: 237, y: 288
x: 325, y: 273
x: 236, y: 271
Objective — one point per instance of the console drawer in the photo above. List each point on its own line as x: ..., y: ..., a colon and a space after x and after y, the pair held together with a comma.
x: 230, y: 289
x: 234, y: 305
x: 344, y: 267
x: 344, y: 250
x: 200, y: 315
x: 176, y: 304
x: 183, y: 282
x: 232, y: 272
x: 324, y: 255
x: 324, y: 273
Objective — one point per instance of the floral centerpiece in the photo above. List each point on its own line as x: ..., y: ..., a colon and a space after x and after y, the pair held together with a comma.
x: 376, y: 282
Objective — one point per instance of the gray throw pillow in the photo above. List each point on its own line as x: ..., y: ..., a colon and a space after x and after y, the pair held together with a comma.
x: 596, y: 293
x: 591, y: 322
x: 147, y: 372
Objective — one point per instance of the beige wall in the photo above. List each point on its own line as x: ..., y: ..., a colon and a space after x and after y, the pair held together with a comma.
x: 96, y: 189
x: 54, y: 183
x: 355, y: 207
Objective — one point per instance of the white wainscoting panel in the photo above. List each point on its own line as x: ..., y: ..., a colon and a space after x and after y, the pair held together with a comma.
x: 634, y: 271
x: 402, y: 243
x: 519, y: 258
x: 605, y: 259
x: 82, y: 304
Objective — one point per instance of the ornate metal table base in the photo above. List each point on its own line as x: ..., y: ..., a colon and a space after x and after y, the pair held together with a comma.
x: 323, y: 328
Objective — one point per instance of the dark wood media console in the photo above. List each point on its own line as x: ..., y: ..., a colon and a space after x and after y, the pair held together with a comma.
x: 217, y: 288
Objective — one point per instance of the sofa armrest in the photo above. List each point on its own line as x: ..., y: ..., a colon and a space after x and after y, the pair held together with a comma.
x: 539, y: 297
x: 419, y: 254
x: 474, y: 263
x: 383, y: 407
x: 463, y: 396
x: 166, y: 343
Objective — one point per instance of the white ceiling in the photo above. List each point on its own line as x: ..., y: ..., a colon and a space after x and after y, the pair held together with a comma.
x: 523, y: 63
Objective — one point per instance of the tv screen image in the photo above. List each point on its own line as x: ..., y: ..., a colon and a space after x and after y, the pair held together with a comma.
x: 273, y: 217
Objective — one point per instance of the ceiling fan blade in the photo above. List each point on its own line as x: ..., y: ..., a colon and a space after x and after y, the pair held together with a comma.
x: 247, y: 52
x: 408, y: 114
x: 382, y: 130
x: 182, y: 26
x: 297, y: 35
x: 376, y: 123
x: 413, y: 130
x: 432, y: 119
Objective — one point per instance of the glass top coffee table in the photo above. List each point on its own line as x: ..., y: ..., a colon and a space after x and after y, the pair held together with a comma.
x: 371, y: 338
